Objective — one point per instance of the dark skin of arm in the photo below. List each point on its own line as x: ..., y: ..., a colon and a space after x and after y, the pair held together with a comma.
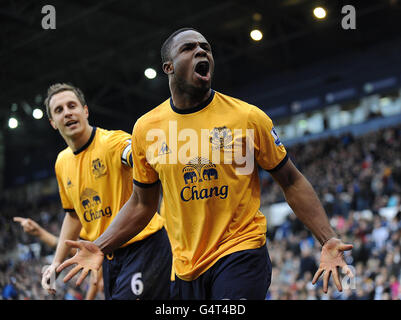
x: 304, y: 202
x: 133, y: 217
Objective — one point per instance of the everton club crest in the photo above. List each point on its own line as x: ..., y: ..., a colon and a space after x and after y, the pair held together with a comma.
x: 221, y: 138
x: 98, y: 168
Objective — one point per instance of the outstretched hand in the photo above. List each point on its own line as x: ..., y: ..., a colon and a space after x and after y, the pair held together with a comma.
x: 332, y: 258
x: 88, y: 258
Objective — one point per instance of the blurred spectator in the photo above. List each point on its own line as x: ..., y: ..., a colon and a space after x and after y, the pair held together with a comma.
x: 308, y: 263
x: 9, y: 291
x: 22, y: 256
x: 379, y: 234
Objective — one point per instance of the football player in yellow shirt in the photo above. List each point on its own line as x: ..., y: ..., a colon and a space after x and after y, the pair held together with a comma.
x: 94, y: 175
x: 203, y: 147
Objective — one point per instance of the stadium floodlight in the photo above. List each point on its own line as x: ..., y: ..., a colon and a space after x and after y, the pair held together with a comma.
x: 319, y: 12
x: 150, y: 73
x: 256, y: 35
x: 12, y: 123
x: 37, y: 113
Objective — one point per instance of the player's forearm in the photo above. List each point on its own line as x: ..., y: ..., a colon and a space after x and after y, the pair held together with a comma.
x: 304, y: 202
x: 47, y: 238
x: 69, y: 231
x: 131, y: 220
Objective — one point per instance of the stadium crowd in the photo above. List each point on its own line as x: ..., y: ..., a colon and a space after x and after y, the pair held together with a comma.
x: 354, y: 177
x: 23, y: 256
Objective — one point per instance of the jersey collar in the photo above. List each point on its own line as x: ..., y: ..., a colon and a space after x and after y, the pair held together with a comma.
x: 86, y: 144
x: 194, y: 109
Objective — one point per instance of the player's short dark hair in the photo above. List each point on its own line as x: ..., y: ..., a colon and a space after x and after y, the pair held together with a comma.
x: 165, y: 50
x: 60, y: 87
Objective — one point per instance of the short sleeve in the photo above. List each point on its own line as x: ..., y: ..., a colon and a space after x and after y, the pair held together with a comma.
x: 65, y: 201
x: 143, y: 173
x: 269, y: 152
x: 120, y: 143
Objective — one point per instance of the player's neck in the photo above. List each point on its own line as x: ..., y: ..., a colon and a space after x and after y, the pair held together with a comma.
x: 78, y: 141
x: 184, y: 100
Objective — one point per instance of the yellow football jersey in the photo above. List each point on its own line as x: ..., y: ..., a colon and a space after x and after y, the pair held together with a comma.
x: 96, y: 181
x: 83, y: 235
x: 210, y: 203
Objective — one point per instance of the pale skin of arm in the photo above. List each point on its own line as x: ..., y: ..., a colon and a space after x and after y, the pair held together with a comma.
x: 303, y: 200
x: 132, y: 218
x: 33, y: 228
x: 70, y: 230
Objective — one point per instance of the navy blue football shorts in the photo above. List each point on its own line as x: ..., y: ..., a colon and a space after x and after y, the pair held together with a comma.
x: 140, y: 270
x: 240, y: 275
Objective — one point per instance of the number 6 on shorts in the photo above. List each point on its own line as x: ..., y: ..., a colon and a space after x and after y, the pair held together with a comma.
x: 137, y: 284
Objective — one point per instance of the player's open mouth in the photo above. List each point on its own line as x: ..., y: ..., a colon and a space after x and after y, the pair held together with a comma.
x: 71, y: 123
x: 202, y: 70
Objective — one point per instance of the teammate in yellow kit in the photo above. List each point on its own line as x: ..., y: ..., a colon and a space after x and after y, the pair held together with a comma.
x: 94, y: 175
x: 204, y: 148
